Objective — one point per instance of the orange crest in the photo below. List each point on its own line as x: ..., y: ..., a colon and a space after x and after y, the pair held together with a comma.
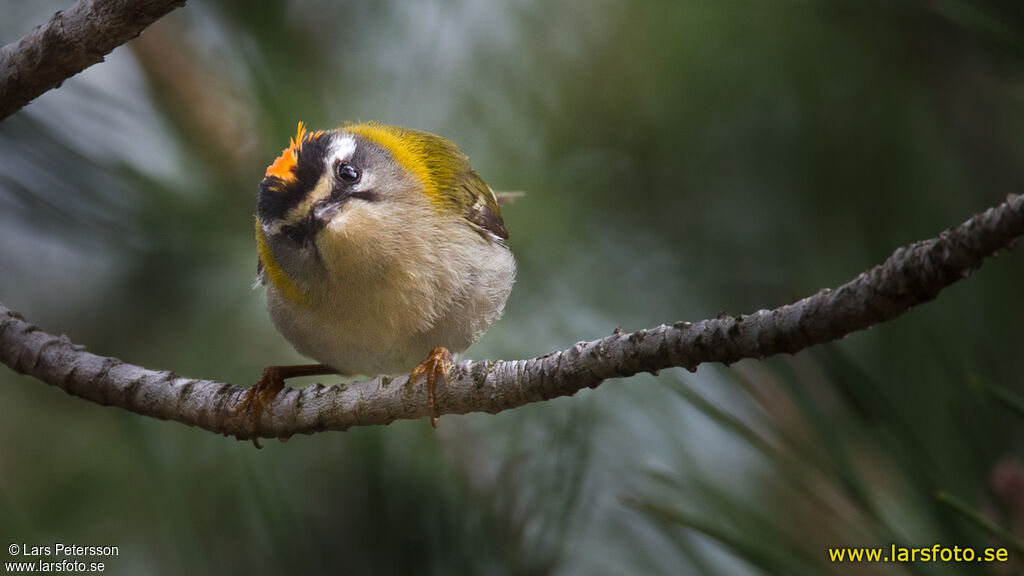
x: 285, y: 163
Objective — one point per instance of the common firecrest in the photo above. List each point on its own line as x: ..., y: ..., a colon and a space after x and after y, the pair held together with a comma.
x: 381, y: 250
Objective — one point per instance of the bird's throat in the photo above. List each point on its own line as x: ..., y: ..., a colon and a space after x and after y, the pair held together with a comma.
x: 281, y: 282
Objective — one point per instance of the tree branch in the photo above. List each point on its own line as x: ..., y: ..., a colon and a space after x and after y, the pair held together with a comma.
x: 910, y: 276
x: 70, y: 42
x: 83, y: 35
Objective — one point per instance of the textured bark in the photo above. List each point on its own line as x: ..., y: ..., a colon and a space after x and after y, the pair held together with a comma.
x: 84, y: 34
x: 70, y: 42
x: 910, y: 276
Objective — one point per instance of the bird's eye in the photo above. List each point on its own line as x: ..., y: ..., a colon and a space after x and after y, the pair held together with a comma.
x: 347, y: 173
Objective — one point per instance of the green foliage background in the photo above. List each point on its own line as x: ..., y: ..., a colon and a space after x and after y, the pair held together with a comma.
x: 681, y: 159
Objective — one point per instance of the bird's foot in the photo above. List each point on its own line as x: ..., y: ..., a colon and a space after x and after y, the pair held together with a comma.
x: 260, y: 394
x: 435, y: 367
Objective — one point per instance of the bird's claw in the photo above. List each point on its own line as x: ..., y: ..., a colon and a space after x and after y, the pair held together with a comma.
x: 259, y: 395
x: 436, y: 366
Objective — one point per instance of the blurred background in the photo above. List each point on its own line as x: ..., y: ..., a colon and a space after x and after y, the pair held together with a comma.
x: 681, y: 158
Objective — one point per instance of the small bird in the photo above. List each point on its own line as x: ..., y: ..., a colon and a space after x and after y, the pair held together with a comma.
x: 382, y: 252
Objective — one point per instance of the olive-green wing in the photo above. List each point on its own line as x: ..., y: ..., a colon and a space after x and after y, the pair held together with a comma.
x: 482, y: 211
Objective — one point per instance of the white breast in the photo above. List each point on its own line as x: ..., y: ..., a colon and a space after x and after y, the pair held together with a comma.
x: 394, y: 293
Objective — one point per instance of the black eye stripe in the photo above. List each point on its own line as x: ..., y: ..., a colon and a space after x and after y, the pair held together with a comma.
x: 273, y: 201
x: 277, y: 197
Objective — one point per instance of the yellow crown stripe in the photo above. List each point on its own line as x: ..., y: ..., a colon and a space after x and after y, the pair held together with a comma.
x: 409, y: 150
